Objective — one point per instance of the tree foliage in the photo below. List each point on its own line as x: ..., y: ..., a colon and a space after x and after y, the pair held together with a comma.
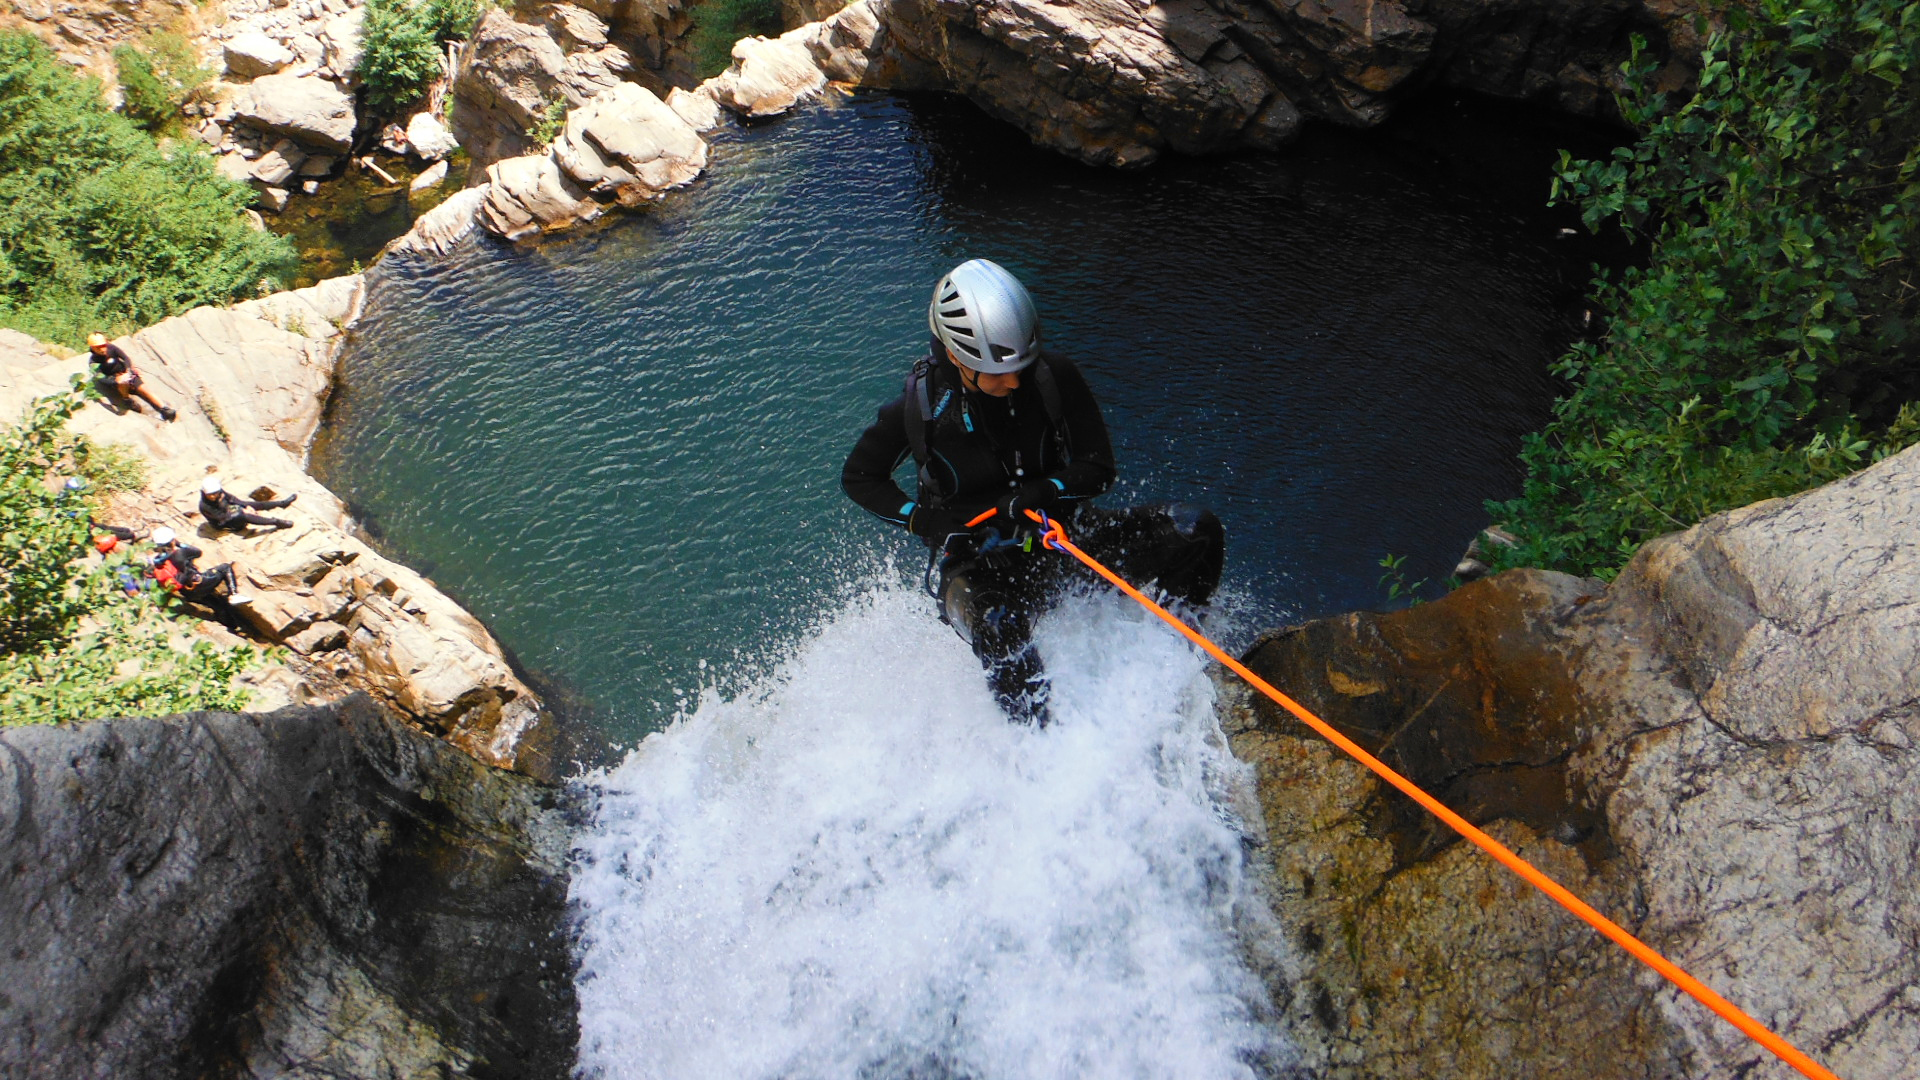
x: 401, y: 43
x: 73, y: 645
x: 717, y: 24
x: 1766, y: 348
x: 102, y: 228
x: 157, y: 77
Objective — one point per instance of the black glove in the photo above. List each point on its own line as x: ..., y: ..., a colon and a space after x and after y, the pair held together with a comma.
x: 1039, y: 495
x: 933, y: 523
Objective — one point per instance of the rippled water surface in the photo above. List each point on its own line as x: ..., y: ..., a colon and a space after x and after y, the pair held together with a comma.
x: 622, y: 449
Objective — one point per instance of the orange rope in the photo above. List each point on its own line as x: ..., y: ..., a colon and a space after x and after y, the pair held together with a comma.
x: 1056, y: 538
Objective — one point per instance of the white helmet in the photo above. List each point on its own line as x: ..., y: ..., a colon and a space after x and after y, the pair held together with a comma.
x: 985, y: 318
x: 163, y: 536
x: 210, y: 486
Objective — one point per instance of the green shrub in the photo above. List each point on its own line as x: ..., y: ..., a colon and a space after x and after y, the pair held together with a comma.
x: 103, y: 229
x: 717, y: 24
x: 73, y: 646
x: 547, y: 128
x: 401, y: 44
x: 157, y: 79
x: 1766, y: 348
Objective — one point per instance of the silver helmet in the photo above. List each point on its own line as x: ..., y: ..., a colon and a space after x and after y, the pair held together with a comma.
x: 985, y: 318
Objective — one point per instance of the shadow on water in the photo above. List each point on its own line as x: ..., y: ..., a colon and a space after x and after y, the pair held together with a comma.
x: 621, y: 449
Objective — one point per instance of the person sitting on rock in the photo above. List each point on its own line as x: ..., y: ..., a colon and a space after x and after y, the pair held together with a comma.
x: 118, y: 377
x: 225, y: 511
x: 173, y: 567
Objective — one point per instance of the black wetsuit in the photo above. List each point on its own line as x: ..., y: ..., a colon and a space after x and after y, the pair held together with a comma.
x: 228, y: 511
x: 113, y: 362
x: 197, y: 584
x: 980, y: 451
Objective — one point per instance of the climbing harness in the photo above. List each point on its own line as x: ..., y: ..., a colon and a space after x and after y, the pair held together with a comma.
x: 1055, y: 537
x: 922, y: 410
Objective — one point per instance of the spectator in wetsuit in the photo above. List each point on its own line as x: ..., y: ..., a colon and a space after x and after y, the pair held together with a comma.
x: 201, y: 586
x: 995, y: 423
x: 224, y: 511
x: 117, y: 375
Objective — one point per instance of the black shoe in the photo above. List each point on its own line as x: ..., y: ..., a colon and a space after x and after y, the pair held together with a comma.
x: 168, y: 414
x: 282, y: 523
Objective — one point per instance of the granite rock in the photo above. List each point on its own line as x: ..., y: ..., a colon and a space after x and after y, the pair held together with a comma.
x: 627, y: 144
x: 317, y: 892
x: 252, y: 54
x: 1721, y: 750
x: 312, y: 111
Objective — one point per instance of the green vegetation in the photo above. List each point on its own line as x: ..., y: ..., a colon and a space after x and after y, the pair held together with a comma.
x: 401, y: 45
x: 157, y: 78
x: 547, y: 128
x: 1767, y: 347
x: 717, y: 24
x: 73, y: 645
x: 103, y: 229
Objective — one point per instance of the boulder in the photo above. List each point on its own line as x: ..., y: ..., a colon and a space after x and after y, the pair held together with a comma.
x: 530, y: 194
x: 628, y: 144
x: 697, y: 108
x: 312, y: 111
x: 253, y: 54
x: 433, y: 177
x: 321, y: 891
x: 318, y: 165
x: 340, y: 39
x: 428, y: 138
x: 234, y: 166
x: 272, y: 198
x: 1721, y: 750
x: 1118, y: 82
x: 437, y: 231
x: 278, y: 165
x: 508, y: 76
x: 769, y: 76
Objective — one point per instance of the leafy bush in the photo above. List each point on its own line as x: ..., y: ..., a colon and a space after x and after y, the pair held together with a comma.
x: 552, y: 120
x: 401, y: 43
x: 717, y: 24
x: 72, y: 645
x: 1767, y: 346
x: 158, y: 79
x: 102, y: 228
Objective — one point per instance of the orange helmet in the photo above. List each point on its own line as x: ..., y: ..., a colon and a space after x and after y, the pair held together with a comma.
x: 96, y: 339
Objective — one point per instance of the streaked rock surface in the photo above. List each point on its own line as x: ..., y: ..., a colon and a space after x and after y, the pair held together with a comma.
x: 1721, y: 751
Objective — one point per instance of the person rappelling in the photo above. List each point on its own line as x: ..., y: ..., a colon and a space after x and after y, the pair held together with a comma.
x: 999, y: 427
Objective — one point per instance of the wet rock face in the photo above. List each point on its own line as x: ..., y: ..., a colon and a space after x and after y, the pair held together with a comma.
x: 316, y: 892
x: 1721, y: 751
x: 1119, y: 81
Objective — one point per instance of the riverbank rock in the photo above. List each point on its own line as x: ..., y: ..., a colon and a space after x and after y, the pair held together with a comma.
x: 253, y: 54
x: 250, y: 384
x: 1721, y: 751
x: 530, y: 195
x: 511, y: 72
x: 317, y: 892
x: 429, y: 139
x: 627, y: 144
x: 307, y: 109
x: 435, y: 232
x: 1114, y: 82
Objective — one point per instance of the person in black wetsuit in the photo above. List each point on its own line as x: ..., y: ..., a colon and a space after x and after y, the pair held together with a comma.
x: 996, y: 423
x: 224, y: 511
x: 117, y: 375
x: 201, y: 586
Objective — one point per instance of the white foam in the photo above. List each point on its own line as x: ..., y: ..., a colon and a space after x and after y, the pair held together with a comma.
x: 859, y: 868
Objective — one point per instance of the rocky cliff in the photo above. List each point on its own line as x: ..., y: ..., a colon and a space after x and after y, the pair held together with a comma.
x: 1720, y: 750
x: 250, y: 384
x: 316, y: 892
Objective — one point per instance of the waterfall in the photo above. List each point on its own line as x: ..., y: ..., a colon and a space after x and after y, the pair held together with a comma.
x: 858, y: 868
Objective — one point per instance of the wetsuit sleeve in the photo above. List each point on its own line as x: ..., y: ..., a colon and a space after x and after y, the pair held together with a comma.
x: 867, y: 477
x: 1092, y: 471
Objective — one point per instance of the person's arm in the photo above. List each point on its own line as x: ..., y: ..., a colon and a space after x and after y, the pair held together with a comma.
x: 183, y: 556
x: 867, y: 477
x: 1092, y: 470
